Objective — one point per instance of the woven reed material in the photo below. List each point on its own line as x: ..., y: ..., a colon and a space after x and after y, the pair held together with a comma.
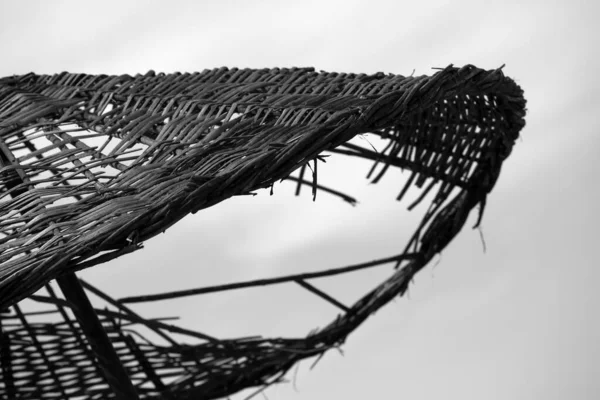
x: 93, y: 165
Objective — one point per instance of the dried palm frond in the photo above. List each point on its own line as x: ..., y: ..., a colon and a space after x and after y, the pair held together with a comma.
x: 93, y: 165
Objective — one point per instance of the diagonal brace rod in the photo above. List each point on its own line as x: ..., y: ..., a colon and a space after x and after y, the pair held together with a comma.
x: 321, y: 294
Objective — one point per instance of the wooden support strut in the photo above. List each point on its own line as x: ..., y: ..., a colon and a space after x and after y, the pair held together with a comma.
x: 108, y: 359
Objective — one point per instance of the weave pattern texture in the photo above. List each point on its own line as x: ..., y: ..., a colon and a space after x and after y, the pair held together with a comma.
x: 91, y: 166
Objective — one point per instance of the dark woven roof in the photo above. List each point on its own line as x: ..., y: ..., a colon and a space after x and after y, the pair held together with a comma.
x: 93, y: 165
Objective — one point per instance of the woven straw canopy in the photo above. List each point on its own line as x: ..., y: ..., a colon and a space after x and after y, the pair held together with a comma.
x: 93, y: 165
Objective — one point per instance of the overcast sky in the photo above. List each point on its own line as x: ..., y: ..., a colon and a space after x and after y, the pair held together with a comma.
x: 519, y: 321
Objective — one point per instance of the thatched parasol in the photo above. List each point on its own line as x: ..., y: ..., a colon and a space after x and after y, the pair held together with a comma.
x: 93, y: 165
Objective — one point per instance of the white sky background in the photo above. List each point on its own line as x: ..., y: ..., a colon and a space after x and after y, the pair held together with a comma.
x: 518, y: 322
